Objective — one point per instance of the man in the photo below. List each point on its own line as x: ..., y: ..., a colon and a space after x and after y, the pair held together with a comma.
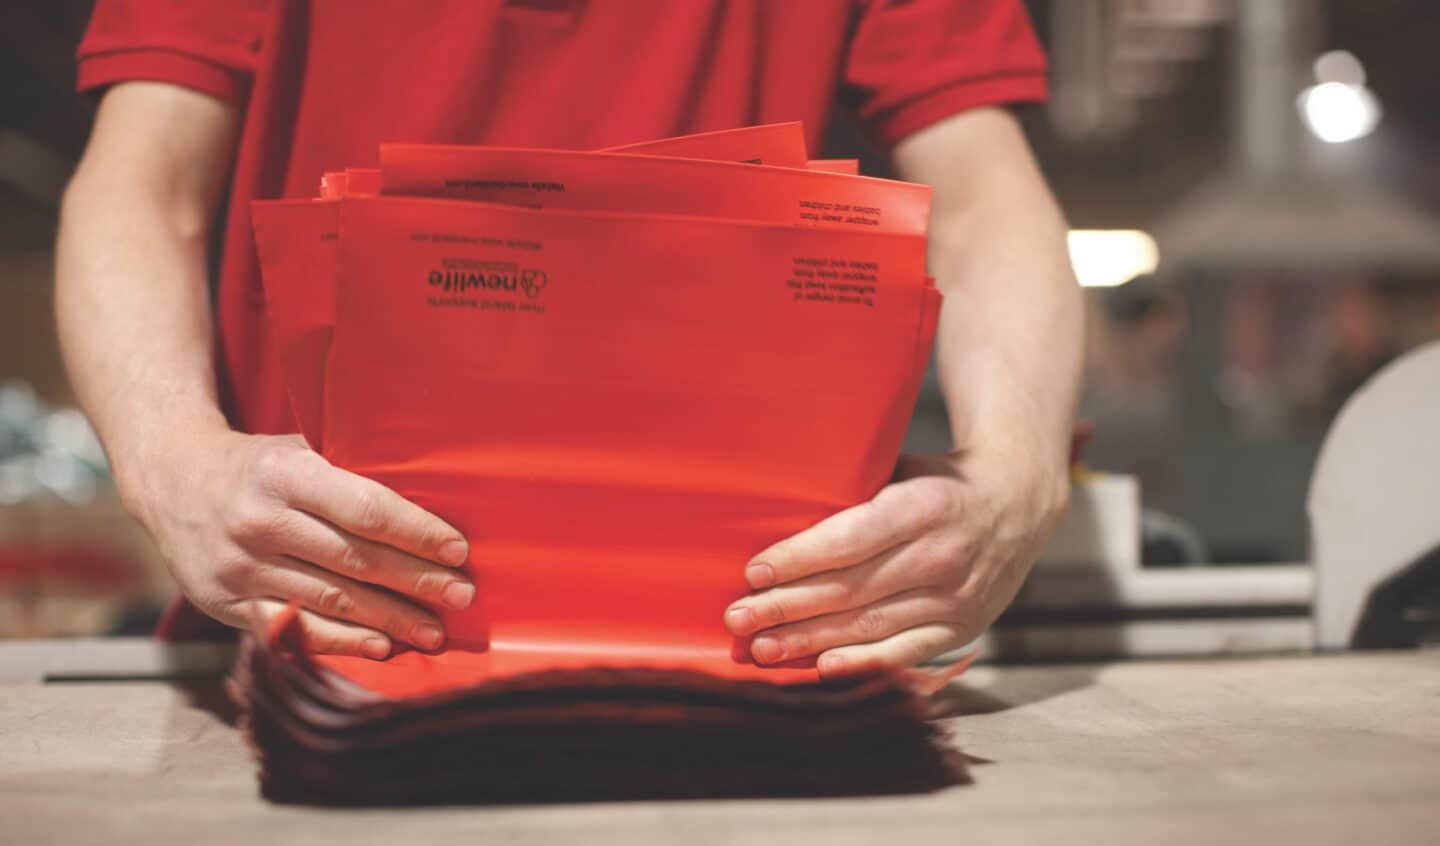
x: 262, y: 96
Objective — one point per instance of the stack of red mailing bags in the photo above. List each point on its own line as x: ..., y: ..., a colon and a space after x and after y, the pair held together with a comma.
x: 620, y: 374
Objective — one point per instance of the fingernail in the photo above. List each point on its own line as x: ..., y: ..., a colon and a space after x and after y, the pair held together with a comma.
x: 458, y: 595
x: 740, y: 621
x: 454, y: 552
x: 830, y: 665
x: 767, y: 650
x: 427, y: 636
x: 375, y: 647
x: 760, y: 575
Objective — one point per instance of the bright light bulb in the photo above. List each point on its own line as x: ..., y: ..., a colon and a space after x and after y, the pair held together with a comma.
x: 1337, y: 111
x: 1105, y: 258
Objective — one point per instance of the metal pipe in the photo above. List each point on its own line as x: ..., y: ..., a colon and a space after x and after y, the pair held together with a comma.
x: 1272, y: 38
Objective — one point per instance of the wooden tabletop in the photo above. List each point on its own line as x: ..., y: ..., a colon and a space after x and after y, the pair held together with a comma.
x: 1289, y: 750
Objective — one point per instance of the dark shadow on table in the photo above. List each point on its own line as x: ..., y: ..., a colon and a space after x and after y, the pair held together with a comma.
x: 1018, y: 686
x: 209, y: 695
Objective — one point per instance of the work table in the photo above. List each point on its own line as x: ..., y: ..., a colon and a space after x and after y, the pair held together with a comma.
x: 1297, y: 749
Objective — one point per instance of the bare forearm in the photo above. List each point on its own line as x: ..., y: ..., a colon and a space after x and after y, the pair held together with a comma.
x: 1011, y: 332
x: 133, y: 316
x: 132, y: 301
x: 1010, y: 337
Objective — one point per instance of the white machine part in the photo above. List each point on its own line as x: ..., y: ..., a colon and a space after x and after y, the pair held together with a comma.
x: 1374, y: 508
x: 1375, y: 496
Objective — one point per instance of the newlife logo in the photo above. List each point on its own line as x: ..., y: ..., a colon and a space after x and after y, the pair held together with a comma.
x: 530, y: 281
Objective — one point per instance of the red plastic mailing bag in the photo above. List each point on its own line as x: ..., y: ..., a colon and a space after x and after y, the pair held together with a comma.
x: 296, y: 244
x: 623, y: 182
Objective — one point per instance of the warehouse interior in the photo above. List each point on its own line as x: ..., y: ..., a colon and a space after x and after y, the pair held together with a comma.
x: 1253, y: 195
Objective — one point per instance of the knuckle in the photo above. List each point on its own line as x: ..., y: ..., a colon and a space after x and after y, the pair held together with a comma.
x: 287, y: 475
x: 369, y: 513
x: 960, y: 547
x: 951, y: 607
x: 954, y: 552
x: 227, y: 608
x: 774, y: 611
x: 271, y: 469
x: 352, y: 561
x: 781, y: 559
x: 927, y: 503
x: 427, y: 531
x: 256, y: 521
x: 871, y: 623
x: 334, y: 601
x: 399, y: 624
x: 965, y: 598
x: 236, y: 570
x: 938, y: 563
x: 838, y: 592
x: 429, y: 584
x: 851, y: 534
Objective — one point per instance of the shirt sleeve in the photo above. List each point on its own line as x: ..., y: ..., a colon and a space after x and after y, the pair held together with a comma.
x: 210, y: 46
x: 912, y: 63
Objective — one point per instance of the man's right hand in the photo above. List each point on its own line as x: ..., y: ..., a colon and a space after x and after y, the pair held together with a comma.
x: 252, y: 522
x: 248, y: 523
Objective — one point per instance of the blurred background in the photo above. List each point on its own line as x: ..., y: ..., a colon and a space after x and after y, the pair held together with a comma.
x: 1253, y: 188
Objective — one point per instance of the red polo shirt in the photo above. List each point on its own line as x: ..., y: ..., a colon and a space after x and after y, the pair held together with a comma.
x: 323, y: 82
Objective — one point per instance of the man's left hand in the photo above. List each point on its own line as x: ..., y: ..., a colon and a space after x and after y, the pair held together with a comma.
x: 920, y: 570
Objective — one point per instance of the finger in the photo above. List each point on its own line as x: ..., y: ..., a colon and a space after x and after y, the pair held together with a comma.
x: 323, y: 544
x: 339, y: 598
x: 904, y: 649
x: 367, y: 508
x: 919, y: 564
x: 898, y: 513
x: 867, y: 624
x: 325, y: 635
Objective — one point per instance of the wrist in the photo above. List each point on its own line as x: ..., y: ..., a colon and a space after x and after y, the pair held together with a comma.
x: 148, y: 464
x: 1010, y: 434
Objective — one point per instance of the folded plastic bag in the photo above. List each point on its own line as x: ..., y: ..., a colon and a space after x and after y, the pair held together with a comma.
x: 564, y: 179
